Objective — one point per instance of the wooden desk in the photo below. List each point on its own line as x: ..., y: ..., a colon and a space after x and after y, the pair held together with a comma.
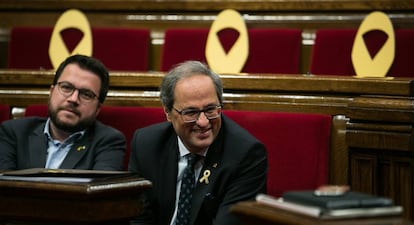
x: 252, y: 213
x: 86, y: 203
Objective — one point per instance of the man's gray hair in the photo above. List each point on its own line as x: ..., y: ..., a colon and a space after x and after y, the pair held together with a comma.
x: 182, y: 70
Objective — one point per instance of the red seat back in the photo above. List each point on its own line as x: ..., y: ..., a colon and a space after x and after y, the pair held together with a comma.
x: 297, y: 147
x: 36, y: 110
x: 118, y: 48
x: 331, y: 54
x: 4, y: 112
x: 127, y: 119
x: 270, y: 50
x: 297, y: 144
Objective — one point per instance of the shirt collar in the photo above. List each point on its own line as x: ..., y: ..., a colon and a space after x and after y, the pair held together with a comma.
x: 184, y: 151
x: 73, y: 136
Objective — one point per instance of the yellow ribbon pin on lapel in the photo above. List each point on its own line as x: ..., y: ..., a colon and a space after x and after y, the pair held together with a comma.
x: 80, y: 148
x: 206, y: 174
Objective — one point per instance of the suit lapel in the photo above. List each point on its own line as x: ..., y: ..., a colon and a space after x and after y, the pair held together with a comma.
x: 76, y: 152
x: 38, y: 147
x: 168, y: 175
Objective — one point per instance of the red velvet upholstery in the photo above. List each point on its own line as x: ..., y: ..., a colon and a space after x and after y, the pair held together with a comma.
x: 4, y: 112
x: 404, y: 54
x: 181, y: 45
x: 331, y: 54
x: 270, y: 50
x: 128, y: 118
x: 118, y: 48
x: 297, y: 146
x: 36, y: 110
x: 29, y: 48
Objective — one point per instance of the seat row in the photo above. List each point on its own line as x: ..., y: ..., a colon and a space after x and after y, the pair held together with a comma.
x: 293, y: 164
x: 270, y: 50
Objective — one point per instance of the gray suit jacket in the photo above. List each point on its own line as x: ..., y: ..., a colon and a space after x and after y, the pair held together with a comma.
x: 23, y: 145
x: 236, y: 160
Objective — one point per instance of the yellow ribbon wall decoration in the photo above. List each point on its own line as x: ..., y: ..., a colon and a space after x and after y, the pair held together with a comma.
x: 216, y: 56
x: 378, y: 66
x: 58, y: 51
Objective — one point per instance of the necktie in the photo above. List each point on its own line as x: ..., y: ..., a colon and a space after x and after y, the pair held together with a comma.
x: 186, y: 192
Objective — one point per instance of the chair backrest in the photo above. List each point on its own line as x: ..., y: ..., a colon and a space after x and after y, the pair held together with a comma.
x: 4, y: 112
x: 404, y: 49
x: 36, y: 110
x: 124, y: 118
x: 121, y: 49
x: 297, y: 146
x: 127, y: 119
x: 270, y: 50
x: 331, y: 54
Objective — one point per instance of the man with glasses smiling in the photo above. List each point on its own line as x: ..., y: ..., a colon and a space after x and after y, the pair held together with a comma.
x: 230, y: 164
x: 71, y: 138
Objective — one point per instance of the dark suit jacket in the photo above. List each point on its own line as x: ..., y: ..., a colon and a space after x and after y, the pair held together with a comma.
x: 238, y: 165
x: 23, y: 145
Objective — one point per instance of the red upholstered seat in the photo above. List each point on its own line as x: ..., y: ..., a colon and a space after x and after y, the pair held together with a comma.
x: 297, y: 143
x: 331, y: 54
x: 297, y: 146
x: 28, y: 48
x: 124, y: 118
x: 128, y: 118
x: 4, y: 112
x: 270, y: 50
x: 181, y: 45
x: 36, y: 110
x: 404, y: 49
x: 118, y: 48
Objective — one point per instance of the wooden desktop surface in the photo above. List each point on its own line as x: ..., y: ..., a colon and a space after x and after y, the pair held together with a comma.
x: 68, y: 203
x: 253, y: 213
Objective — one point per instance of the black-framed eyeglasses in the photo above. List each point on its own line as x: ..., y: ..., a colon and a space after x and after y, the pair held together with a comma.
x: 191, y: 115
x: 66, y: 89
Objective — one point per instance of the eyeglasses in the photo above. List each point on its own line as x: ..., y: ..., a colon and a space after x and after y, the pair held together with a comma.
x: 66, y: 89
x: 192, y: 115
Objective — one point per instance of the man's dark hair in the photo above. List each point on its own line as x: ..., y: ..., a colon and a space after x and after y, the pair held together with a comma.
x: 91, y: 64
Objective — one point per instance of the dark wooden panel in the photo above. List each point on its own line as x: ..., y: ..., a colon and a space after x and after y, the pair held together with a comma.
x: 71, y: 203
x: 399, y: 170
x: 363, y: 173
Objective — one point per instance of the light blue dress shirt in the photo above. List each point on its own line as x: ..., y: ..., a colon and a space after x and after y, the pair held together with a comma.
x: 57, y: 150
